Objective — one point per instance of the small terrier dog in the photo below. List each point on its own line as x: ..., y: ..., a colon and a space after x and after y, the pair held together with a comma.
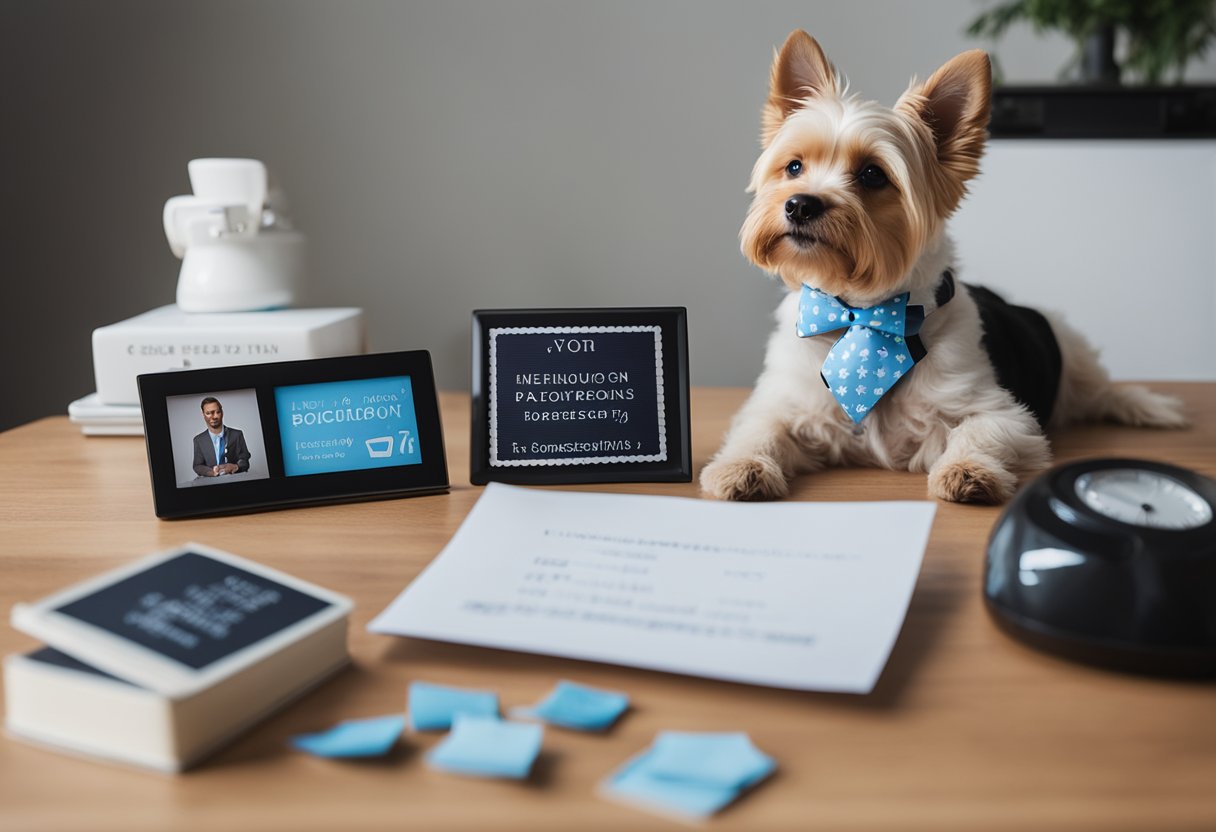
x: 877, y: 360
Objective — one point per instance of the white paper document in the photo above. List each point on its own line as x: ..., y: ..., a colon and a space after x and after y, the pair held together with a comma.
x: 809, y: 596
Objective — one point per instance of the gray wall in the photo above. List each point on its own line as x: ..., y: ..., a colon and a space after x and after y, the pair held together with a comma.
x: 440, y: 156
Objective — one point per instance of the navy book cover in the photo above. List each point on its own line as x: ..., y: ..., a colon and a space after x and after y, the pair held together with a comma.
x: 194, y: 609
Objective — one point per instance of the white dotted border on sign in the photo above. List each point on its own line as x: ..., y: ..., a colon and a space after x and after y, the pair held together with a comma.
x: 661, y: 456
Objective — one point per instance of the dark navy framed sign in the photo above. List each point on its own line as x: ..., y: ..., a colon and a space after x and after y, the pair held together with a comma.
x: 580, y: 395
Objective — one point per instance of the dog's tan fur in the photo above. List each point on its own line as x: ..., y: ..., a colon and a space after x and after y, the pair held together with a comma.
x: 948, y: 418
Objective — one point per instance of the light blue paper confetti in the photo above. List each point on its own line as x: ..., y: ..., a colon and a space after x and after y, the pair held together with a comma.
x: 727, y: 760
x: 690, y: 775
x: 571, y: 705
x: 354, y: 738
x: 488, y: 747
x: 633, y: 783
x: 433, y: 707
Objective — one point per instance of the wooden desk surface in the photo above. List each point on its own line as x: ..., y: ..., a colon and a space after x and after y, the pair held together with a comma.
x: 967, y: 729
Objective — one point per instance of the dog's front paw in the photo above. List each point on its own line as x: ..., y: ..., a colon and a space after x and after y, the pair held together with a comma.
x: 972, y: 480
x: 753, y: 478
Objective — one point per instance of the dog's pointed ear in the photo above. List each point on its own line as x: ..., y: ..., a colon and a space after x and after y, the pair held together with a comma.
x: 800, y: 71
x: 955, y: 103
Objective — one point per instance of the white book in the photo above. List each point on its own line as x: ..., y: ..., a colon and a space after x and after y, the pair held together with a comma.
x: 117, y: 429
x: 161, y: 662
x: 169, y: 339
x: 97, y: 419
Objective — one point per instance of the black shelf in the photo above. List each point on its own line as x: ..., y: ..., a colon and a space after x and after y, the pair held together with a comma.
x: 1096, y: 112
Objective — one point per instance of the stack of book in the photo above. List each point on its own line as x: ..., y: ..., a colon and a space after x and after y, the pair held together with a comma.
x: 159, y: 663
x: 97, y: 419
x: 168, y: 339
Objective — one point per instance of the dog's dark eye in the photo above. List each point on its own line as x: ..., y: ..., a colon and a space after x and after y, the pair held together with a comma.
x: 872, y: 177
x: 794, y: 168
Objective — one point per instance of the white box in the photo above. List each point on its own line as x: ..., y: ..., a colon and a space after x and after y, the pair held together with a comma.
x: 169, y: 339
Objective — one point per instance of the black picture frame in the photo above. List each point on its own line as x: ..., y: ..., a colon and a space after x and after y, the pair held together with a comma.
x: 276, y: 488
x: 496, y: 420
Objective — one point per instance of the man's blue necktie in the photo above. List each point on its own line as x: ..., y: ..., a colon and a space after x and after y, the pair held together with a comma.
x: 219, y: 459
x: 878, y: 348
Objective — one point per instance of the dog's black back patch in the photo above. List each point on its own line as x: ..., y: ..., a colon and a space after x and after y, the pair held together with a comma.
x: 1023, y: 351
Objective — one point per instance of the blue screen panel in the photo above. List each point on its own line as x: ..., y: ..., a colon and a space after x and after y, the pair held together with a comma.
x: 347, y: 425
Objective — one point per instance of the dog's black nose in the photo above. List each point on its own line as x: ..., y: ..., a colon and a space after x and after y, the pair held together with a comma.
x: 802, y: 208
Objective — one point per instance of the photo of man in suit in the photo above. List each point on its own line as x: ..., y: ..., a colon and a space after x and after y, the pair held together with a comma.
x: 219, y: 449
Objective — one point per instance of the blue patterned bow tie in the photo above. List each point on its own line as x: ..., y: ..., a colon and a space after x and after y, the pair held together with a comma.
x: 878, y: 348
